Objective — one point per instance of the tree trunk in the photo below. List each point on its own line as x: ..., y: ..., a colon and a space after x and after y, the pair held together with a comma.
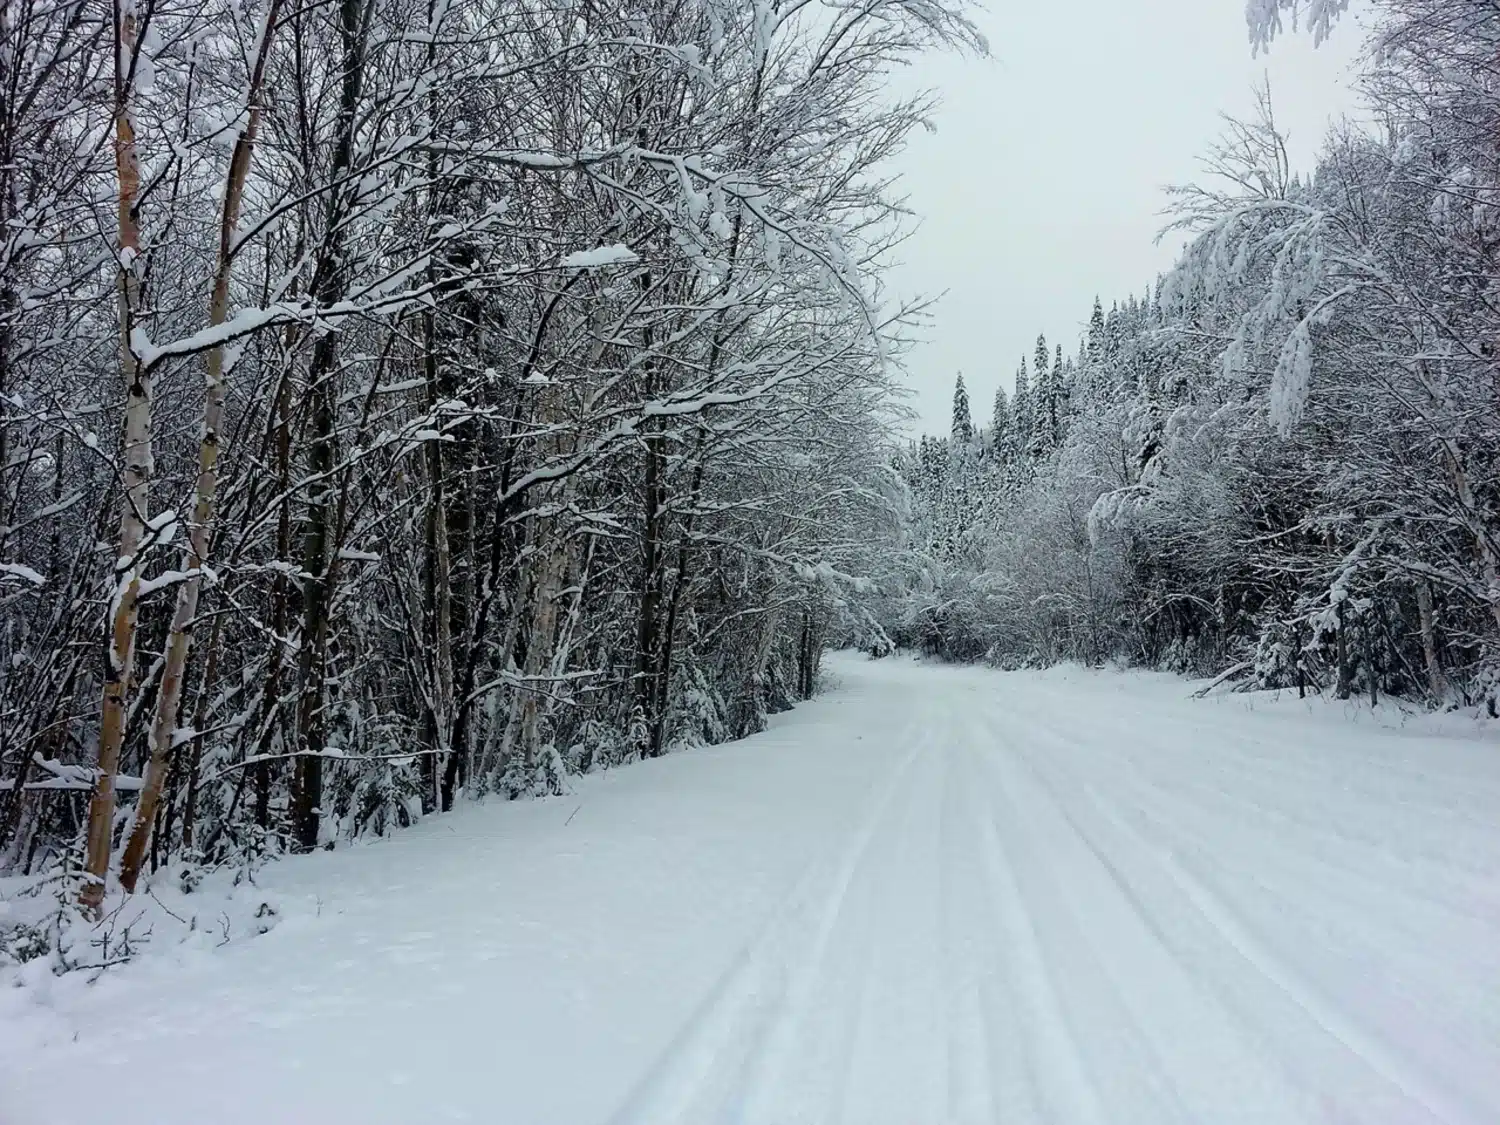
x: 648, y: 625
x: 1345, y: 686
x: 527, y: 772
x: 281, y: 590
x: 1484, y: 547
x: 439, y: 607
x: 1301, y: 663
x: 136, y: 457
x: 205, y: 693
x: 807, y: 652
x: 1437, y: 682
x: 185, y: 613
x: 328, y: 287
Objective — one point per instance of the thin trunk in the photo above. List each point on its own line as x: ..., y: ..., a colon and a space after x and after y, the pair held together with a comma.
x: 527, y: 772
x: 807, y: 663
x: 328, y: 286
x: 439, y: 608
x: 1483, y: 546
x: 136, y: 456
x: 307, y: 774
x: 9, y: 206
x: 513, y: 716
x: 1345, y: 686
x: 750, y: 721
x: 1301, y: 664
x: 185, y: 613
x: 679, y: 583
x: 648, y: 625
x: 281, y: 592
x: 1437, y: 682
x: 200, y: 719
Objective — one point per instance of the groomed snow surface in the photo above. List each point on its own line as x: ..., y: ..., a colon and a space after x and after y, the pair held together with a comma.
x: 934, y: 895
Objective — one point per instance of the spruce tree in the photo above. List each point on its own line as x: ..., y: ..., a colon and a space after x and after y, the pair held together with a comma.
x: 1096, y: 332
x: 1021, y: 411
x: 1044, y: 409
x: 1059, y: 396
x: 1000, y: 425
x: 963, y: 424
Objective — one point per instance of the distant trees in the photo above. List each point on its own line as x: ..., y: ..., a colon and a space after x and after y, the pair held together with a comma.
x: 1284, y: 456
x: 962, y: 432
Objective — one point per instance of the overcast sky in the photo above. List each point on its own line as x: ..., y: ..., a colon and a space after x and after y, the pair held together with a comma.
x: 1042, y: 184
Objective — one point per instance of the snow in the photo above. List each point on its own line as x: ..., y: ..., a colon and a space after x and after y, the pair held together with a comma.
x: 65, y: 776
x: 1264, y: 19
x: 933, y: 895
x: 1291, y: 380
x: 163, y: 580
x: 25, y: 573
x: 615, y: 255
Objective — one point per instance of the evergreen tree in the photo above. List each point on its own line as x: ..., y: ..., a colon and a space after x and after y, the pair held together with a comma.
x: 1059, y: 395
x: 1000, y: 426
x: 1044, y: 402
x: 1021, y: 411
x: 963, y: 424
x: 1096, y: 332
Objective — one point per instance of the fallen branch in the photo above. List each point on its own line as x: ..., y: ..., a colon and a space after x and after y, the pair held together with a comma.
x: 1228, y: 674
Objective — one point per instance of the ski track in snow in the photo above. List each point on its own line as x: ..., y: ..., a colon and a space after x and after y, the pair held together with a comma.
x: 933, y: 896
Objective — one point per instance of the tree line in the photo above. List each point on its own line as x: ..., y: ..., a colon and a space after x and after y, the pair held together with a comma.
x: 410, y: 399
x: 1281, y: 461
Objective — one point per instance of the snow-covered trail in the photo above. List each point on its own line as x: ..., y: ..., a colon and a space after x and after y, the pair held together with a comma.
x: 933, y: 896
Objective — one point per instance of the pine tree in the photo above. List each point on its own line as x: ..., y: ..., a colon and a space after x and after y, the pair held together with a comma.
x: 1096, y: 332
x: 1021, y: 411
x: 1000, y: 426
x: 963, y: 425
x: 1059, y: 395
x: 1044, y: 407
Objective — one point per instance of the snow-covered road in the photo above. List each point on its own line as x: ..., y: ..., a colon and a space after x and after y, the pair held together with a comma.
x: 933, y: 896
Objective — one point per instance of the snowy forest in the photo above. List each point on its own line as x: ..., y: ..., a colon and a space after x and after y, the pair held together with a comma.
x: 413, y: 399
x: 483, y: 638
x: 408, y: 402
x: 1279, y: 461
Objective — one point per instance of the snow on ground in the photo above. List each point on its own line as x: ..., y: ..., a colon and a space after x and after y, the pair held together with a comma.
x: 935, y: 895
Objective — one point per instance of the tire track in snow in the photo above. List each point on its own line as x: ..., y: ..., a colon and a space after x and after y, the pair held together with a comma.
x: 1398, y: 781
x: 1224, y: 1045
x: 900, y: 1063
x: 962, y: 1073
x: 1193, y: 722
x: 1433, y: 1102
x: 1327, y: 1016
x: 1066, y: 1091
x: 1469, y: 898
x: 1177, y: 806
x: 1368, y: 1047
x: 754, y: 1005
x: 1087, y: 926
x: 993, y: 1073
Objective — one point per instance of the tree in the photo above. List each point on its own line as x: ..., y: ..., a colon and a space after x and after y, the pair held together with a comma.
x: 1279, y: 460
x: 1045, y: 421
x: 1023, y: 411
x: 1001, y: 425
x: 962, y: 432
x: 136, y: 534
x: 517, y: 377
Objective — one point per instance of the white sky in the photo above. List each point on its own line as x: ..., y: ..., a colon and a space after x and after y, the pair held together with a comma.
x: 1042, y: 184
